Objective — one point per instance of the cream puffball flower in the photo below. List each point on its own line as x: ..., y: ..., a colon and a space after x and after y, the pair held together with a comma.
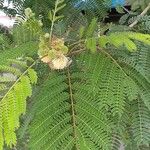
x: 45, y: 59
x: 60, y: 63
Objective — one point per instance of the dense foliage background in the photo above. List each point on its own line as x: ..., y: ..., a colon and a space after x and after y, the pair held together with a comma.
x: 74, y: 77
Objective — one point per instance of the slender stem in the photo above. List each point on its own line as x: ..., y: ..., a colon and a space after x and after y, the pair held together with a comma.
x: 75, y: 47
x: 141, y: 15
x: 81, y: 41
x: 76, y: 52
x: 53, y: 20
x: 76, y: 43
x: 126, y: 10
x: 72, y: 108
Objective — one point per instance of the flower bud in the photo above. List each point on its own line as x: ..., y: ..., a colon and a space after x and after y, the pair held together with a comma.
x: 47, y: 35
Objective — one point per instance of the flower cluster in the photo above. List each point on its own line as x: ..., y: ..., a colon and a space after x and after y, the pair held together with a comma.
x: 53, y: 52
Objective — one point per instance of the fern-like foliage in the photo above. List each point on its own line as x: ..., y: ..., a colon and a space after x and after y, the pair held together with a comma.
x: 92, y: 36
x: 73, y: 10
x: 26, y: 28
x: 15, y: 87
x: 21, y: 50
x: 72, y: 105
x: 100, y: 102
x: 90, y: 8
x: 24, y: 34
x: 138, y: 4
x: 141, y: 123
x: 144, y: 24
x: 136, y: 65
x: 4, y: 42
x: 125, y: 38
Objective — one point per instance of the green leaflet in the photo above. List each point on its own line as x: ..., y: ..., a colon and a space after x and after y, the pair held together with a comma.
x: 141, y: 123
x: 91, y: 44
x: 91, y: 28
x: 120, y: 9
x: 13, y: 99
x: 32, y: 75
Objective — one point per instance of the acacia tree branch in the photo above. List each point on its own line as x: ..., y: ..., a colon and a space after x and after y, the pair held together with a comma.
x: 141, y: 15
x: 72, y: 110
x: 76, y: 52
